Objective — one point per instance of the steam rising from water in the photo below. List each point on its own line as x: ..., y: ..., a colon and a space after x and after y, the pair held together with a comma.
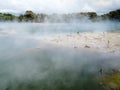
x: 46, y: 68
x: 56, y: 28
x: 25, y: 67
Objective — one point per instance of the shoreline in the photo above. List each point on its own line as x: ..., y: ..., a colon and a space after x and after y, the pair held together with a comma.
x: 95, y: 41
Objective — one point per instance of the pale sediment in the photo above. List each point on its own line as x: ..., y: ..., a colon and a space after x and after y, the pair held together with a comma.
x: 100, y: 41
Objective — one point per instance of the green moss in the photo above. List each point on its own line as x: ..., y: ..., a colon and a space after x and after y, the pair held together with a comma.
x: 115, y: 78
x: 111, y: 81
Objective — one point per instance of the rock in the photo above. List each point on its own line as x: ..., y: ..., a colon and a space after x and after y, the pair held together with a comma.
x: 112, y: 86
x: 119, y: 70
x: 75, y: 47
x: 87, y: 46
x: 78, y: 32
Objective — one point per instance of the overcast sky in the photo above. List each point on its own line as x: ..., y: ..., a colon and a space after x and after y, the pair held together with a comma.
x: 58, y: 6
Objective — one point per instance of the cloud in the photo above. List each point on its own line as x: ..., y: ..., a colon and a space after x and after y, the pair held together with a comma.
x: 59, y: 6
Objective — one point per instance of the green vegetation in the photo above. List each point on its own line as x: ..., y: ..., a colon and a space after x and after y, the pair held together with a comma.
x: 7, y: 17
x: 113, y: 15
x: 111, y: 81
x: 30, y: 16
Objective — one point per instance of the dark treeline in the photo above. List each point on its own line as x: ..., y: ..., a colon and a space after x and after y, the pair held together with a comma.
x: 30, y: 16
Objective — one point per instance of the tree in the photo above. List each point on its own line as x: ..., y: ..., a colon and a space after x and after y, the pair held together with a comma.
x: 113, y: 15
x: 7, y: 17
x: 20, y: 17
x: 29, y: 16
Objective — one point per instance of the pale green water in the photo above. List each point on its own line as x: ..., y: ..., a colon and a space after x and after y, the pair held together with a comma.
x: 56, y: 28
x: 25, y: 67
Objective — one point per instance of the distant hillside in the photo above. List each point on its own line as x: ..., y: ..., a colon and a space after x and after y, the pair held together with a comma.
x: 30, y: 16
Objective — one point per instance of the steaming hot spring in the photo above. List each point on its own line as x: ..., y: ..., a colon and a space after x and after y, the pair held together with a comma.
x: 59, y: 56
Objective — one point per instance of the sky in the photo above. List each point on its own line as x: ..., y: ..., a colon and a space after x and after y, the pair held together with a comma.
x: 58, y: 6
